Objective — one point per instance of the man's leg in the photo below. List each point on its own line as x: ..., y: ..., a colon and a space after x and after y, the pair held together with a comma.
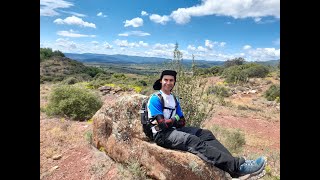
x: 175, y: 139
x: 211, y: 140
x: 205, y: 135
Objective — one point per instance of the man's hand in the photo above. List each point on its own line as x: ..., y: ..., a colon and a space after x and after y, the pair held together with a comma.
x: 181, y: 123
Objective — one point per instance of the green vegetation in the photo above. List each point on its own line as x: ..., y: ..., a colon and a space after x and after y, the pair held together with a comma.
x: 234, y: 140
x: 190, y: 90
x: 46, y: 53
x: 241, y: 73
x: 234, y: 62
x: 273, y: 93
x: 73, y: 101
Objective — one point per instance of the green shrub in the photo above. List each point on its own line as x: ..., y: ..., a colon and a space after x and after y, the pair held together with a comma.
x: 240, y: 73
x: 191, y: 92
x: 273, y: 93
x: 256, y: 70
x: 219, y: 91
x: 235, y: 74
x: 75, y: 102
x: 70, y: 80
x: 234, y: 140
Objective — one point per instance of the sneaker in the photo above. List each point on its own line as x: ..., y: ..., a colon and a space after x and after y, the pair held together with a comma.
x: 259, y: 160
x: 252, y: 167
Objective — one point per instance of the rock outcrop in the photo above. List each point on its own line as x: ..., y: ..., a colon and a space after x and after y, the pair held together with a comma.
x: 117, y: 130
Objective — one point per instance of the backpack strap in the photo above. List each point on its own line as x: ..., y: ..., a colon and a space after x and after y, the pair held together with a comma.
x: 162, y: 103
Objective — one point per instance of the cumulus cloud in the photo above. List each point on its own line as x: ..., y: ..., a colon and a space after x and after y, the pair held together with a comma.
x: 107, y: 45
x: 143, y: 13
x: 159, y: 19
x: 143, y: 44
x: 95, y: 43
x: 263, y: 54
x: 234, y: 8
x: 73, y: 20
x: 72, y: 33
x: 135, y: 22
x: 222, y: 44
x: 125, y: 43
x: 100, y: 14
x: 65, y: 43
x: 246, y: 47
x: 208, y: 44
x: 134, y: 33
x: 50, y: 7
x: 191, y: 48
x: 168, y: 47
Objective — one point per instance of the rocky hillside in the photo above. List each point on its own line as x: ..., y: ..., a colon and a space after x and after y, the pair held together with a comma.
x: 58, y: 68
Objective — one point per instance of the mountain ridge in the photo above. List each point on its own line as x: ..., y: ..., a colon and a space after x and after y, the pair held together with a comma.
x: 126, y: 59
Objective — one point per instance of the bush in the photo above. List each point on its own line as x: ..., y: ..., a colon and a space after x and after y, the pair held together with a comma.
x: 73, y: 101
x: 256, y: 70
x: 234, y: 140
x: 219, y: 91
x: 70, y: 80
x: 235, y: 74
x: 273, y: 93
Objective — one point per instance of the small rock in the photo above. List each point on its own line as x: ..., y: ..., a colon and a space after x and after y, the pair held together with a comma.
x: 56, y: 157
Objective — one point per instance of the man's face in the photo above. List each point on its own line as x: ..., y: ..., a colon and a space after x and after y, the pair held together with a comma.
x: 167, y: 82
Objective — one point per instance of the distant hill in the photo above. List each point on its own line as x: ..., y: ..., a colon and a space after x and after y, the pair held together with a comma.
x: 125, y: 59
x: 58, y: 68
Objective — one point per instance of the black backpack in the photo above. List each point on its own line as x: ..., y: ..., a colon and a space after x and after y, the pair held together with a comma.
x: 145, y: 121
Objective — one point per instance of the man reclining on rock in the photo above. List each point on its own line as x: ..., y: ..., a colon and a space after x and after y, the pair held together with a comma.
x: 169, y: 131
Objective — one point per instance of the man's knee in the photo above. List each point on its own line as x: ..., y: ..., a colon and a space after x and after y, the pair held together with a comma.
x: 206, y: 135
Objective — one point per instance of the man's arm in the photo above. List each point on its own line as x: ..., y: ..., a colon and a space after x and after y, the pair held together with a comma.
x: 179, y: 118
x: 155, y: 109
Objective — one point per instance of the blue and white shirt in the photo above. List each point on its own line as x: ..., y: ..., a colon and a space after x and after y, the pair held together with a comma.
x: 155, y: 107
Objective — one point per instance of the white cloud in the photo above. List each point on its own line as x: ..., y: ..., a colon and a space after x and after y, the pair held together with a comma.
x: 143, y: 44
x: 107, y: 45
x: 100, y: 14
x: 134, y: 33
x: 234, y: 8
x: 72, y: 33
x: 74, y: 13
x: 263, y: 54
x: 246, y: 47
x: 222, y: 44
x: 191, y: 48
x: 95, y: 43
x: 143, y: 13
x: 49, y: 7
x: 168, y: 47
x: 201, y: 49
x: 125, y: 43
x: 135, y: 22
x: 73, y: 20
x: 257, y: 19
x: 65, y: 43
x: 123, y: 34
x: 208, y: 44
x: 159, y: 19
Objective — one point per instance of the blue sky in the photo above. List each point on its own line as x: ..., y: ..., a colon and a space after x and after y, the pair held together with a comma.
x: 209, y: 29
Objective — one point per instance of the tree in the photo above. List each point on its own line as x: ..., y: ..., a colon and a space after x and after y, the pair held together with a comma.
x: 234, y: 62
x: 190, y: 92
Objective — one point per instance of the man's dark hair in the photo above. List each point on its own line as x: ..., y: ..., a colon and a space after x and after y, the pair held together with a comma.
x: 157, y: 84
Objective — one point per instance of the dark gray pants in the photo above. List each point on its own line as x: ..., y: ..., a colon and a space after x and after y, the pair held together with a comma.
x: 202, y: 143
